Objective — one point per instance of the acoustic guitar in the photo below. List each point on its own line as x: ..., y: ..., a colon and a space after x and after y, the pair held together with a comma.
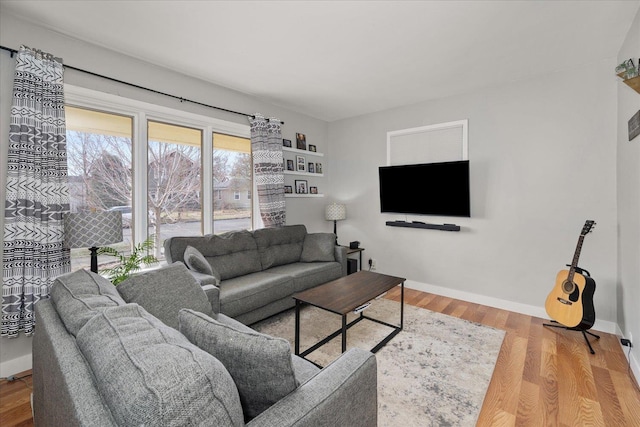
x: 570, y: 302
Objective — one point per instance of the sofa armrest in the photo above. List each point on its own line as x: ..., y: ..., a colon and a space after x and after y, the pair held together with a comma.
x: 213, y: 294
x: 340, y: 253
x: 344, y: 393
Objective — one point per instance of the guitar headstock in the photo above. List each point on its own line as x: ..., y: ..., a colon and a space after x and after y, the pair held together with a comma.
x: 589, y: 225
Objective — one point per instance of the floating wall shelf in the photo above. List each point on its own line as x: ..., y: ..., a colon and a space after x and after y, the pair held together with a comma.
x: 633, y: 82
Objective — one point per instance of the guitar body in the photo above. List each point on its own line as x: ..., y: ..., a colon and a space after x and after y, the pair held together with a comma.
x: 570, y: 302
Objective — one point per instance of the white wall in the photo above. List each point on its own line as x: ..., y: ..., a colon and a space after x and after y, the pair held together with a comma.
x: 543, y: 160
x: 15, y: 354
x: 628, y: 175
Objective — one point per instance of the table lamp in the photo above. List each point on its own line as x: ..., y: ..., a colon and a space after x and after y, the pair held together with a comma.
x: 335, y: 212
x: 92, y: 230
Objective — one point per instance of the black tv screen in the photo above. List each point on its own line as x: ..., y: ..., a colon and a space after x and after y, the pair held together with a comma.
x: 426, y: 189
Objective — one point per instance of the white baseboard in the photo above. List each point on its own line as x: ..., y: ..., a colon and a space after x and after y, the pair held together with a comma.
x: 530, y: 310
x: 14, y: 366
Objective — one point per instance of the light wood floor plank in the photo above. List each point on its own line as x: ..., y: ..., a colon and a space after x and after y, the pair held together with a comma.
x: 543, y: 377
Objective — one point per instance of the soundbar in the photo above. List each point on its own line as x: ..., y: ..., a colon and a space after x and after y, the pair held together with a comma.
x: 418, y: 224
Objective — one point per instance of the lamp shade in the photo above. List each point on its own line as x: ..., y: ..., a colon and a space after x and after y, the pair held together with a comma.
x: 335, y: 212
x: 92, y: 229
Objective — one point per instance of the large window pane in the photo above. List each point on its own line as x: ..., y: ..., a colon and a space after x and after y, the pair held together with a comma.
x: 99, y: 166
x: 232, y: 183
x: 173, y: 182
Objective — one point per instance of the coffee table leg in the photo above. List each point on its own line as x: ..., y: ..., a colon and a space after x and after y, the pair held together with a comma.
x: 297, y: 334
x: 344, y: 333
x: 401, y: 305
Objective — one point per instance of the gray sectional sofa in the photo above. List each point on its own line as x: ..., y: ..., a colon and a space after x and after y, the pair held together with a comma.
x: 256, y: 273
x: 106, y: 356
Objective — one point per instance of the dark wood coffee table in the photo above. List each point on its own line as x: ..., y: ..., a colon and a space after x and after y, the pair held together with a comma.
x: 344, y: 295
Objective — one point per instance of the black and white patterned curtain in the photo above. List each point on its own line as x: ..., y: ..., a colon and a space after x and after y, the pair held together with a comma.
x: 266, y: 148
x: 37, y: 194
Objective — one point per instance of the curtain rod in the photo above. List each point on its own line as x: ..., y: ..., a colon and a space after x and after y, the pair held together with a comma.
x: 181, y: 99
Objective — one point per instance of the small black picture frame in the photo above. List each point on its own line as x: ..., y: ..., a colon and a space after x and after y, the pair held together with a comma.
x: 313, y: 190
x: 301, y: 186
x: 290, y: 165
x: 312, y: 148
x: 288, y: 189
x: 301, y: 141
x: 311, y: 168
x: 286, y: 143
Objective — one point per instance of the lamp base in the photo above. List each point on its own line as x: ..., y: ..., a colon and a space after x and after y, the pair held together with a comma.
x: 94, y: 259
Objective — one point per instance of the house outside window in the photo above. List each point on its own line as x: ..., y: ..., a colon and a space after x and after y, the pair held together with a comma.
x: 150, y: 161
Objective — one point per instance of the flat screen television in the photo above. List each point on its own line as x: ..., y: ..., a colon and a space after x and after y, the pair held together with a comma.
x: 426, y: 189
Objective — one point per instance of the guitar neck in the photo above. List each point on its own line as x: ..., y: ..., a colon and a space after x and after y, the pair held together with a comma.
x: 576, y: 256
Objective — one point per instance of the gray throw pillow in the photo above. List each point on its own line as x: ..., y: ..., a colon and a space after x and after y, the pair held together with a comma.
x: 260, y: 365
x: 165, y: 291
x: 197, y: 262
x: 318, y: 247
x: 150, y: 374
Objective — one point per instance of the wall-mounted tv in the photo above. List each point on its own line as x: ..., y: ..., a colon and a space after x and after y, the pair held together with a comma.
x: 426, y: 189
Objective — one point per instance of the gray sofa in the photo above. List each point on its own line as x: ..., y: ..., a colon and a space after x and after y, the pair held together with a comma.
x: 256, y: 273
x: 101, y: 358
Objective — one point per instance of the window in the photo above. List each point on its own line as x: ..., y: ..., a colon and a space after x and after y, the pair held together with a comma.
x: 99, y: 152
x: 232, y: 177
x: 173, y: 181
x: 149, y: 161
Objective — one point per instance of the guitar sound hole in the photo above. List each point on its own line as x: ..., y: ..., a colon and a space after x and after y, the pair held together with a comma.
x: 568, y: 287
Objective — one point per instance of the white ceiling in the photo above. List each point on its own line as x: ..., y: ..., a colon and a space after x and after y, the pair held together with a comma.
x: 339, y: 59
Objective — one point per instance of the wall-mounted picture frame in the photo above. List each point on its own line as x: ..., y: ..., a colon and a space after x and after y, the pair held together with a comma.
x: 290, y: 165
x: 286, y: 143
x: 312, y: 148
x: 318, y: 167
x: 313, y: 190
x: 301, y: 164
x: 288, y: 189
x: 634, y: 126
x: 301, y: 186
x: 301, y: 141
x: 311, y: 167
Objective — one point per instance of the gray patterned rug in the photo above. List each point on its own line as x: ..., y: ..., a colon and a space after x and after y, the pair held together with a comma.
x: 434, y: 373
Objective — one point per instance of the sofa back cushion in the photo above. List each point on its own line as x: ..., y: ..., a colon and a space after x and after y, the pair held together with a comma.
x: 150, y: 374
x: 281, y: 245
x: 232, y: 254
x: 81, y: 295
x: 165, y: 291
x: 318, y: 247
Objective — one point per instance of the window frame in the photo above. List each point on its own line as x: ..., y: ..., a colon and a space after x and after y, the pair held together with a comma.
x: 141, y: 112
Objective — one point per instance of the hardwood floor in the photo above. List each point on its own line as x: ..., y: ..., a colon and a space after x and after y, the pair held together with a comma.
x: 543, y: 376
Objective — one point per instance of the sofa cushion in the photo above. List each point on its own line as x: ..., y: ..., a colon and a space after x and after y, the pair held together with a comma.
x: 150, y: 374
x: 81, y: 295
x: 281, y: 245
x: 318, y: 247
x: 197, y: 262
x: 307, y: 275
x: 303, y: 369
x: 232, y: 254
x: 163, y: 292
x: 246, y: 293
x: 260, y: 365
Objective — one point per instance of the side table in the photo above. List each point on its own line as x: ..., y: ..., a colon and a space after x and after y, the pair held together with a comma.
x: 353, y: 251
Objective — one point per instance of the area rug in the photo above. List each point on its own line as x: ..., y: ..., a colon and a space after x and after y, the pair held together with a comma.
x: 434, y: 373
